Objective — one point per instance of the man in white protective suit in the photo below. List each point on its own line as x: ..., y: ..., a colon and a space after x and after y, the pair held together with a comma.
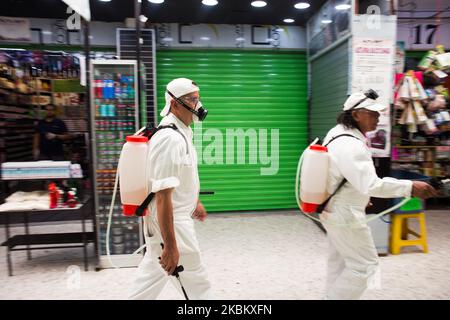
x: 173, y: 177
x: 353, y: 258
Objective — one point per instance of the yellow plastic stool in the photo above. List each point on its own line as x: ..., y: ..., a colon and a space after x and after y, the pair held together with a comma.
x: 400, y: 231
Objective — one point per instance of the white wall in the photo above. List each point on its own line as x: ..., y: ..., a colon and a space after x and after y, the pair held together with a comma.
x: 55, y: 32
x: 173, y: 35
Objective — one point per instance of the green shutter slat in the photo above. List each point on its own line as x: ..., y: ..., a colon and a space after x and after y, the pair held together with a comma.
x: 329, y: 84
x: 246, y: 90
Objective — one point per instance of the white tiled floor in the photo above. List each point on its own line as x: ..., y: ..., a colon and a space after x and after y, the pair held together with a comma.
x: 276, y: 255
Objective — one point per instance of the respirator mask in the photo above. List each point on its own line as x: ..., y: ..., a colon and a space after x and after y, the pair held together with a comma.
x: 199, y: 112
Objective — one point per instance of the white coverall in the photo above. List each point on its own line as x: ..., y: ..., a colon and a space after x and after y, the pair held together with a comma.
x: 353, y: 258
x: 172, y: 163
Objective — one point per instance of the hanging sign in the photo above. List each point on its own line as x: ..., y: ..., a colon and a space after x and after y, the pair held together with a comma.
x: 372, y: 68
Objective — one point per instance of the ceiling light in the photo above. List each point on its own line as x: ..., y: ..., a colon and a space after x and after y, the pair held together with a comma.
x: 302, y: 5
x: 240, y: 39
x: 343, y: 7
x: 326, y: 21
x: 204, y: 38
x: 167, y: 39
x: 105, y: 0
x: 210, y: 2
x: 289, y: 20
x: 156, y: 1
x: 259, y: 4
x: 143, y: 18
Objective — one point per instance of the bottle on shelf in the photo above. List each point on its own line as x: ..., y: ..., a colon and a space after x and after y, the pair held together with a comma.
x: 71, y: 200
x: 105, y: 93
x: 130, y: 87
x: 53, y: 194
x: 98, y: 88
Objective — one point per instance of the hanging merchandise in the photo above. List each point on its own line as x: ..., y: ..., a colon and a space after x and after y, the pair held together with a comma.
x: 410, y: 101
x: 436, y: 63
x: 421, y: 134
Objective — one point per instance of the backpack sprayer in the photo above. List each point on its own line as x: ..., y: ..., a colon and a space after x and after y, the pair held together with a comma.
x: 131, y: 174
x: 312, y: 171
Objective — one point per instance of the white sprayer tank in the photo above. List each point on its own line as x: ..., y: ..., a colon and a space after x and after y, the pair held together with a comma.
x: 132, y: 180
x: 314, y: 177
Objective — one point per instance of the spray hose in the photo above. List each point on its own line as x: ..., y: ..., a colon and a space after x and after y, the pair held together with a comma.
x: 297, y: 191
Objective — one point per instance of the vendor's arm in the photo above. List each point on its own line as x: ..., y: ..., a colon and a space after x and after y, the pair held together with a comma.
x: 356, y: 165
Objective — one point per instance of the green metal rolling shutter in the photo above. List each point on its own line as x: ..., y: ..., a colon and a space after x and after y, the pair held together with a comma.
x: 251, y: 90
x: 329, y: 86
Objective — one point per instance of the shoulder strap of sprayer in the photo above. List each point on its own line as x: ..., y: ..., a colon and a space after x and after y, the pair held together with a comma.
x: 151, y: 132
x: 324, y: 204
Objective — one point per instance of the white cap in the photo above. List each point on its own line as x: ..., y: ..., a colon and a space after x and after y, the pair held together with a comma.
x: 178, y: 87
x: 368, y: 104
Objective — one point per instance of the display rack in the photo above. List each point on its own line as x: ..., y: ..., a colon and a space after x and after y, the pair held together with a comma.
x: 115, y: 115
x: 421, y: 120
x: 29, y: 241
x: 432, y: 161
x: 28, y: 81
x: 16, y: 121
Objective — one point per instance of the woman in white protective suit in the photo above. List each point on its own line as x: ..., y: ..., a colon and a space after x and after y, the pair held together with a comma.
x: 173, y: 177
x: 353, y: 258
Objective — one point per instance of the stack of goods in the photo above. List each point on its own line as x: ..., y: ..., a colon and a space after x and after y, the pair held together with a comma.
x: 24, y: 201
x: 40, y: 170
x: 55, y: 198
x: 436, y: 63
x: 418, y: 108
x: 421, y: 134
x: 124, y: 237
x: 67, y: 99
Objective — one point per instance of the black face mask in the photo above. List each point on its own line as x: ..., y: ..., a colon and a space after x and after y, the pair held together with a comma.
x: 370, y: 94
x: 201, y: 113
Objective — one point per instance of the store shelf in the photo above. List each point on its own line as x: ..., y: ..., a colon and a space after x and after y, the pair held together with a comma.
x: 47, y: 239
x: 408, y: 161
x: 43, y: 178
x: 15, y: 91
x: 418, y: 147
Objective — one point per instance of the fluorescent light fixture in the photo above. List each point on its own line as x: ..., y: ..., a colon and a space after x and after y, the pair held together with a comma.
x: 210, y: 2
x: 205, y: 38
x: 156, y: 1
x: 105, y: 0
x: 167, y: 39
x: 342, y: 7
x: 240, y: 39
x: 259, y: 4
x: 289, y: 20
x: 302, y: 5
x: 326, y: 21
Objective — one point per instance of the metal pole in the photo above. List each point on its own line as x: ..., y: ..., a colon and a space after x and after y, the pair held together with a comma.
x: 137, y: 13
x: 27, y: 232
x: 87, y: 53
x: 8, y: 244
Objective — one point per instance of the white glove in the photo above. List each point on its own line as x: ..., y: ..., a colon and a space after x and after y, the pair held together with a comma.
x: 50, y: 136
